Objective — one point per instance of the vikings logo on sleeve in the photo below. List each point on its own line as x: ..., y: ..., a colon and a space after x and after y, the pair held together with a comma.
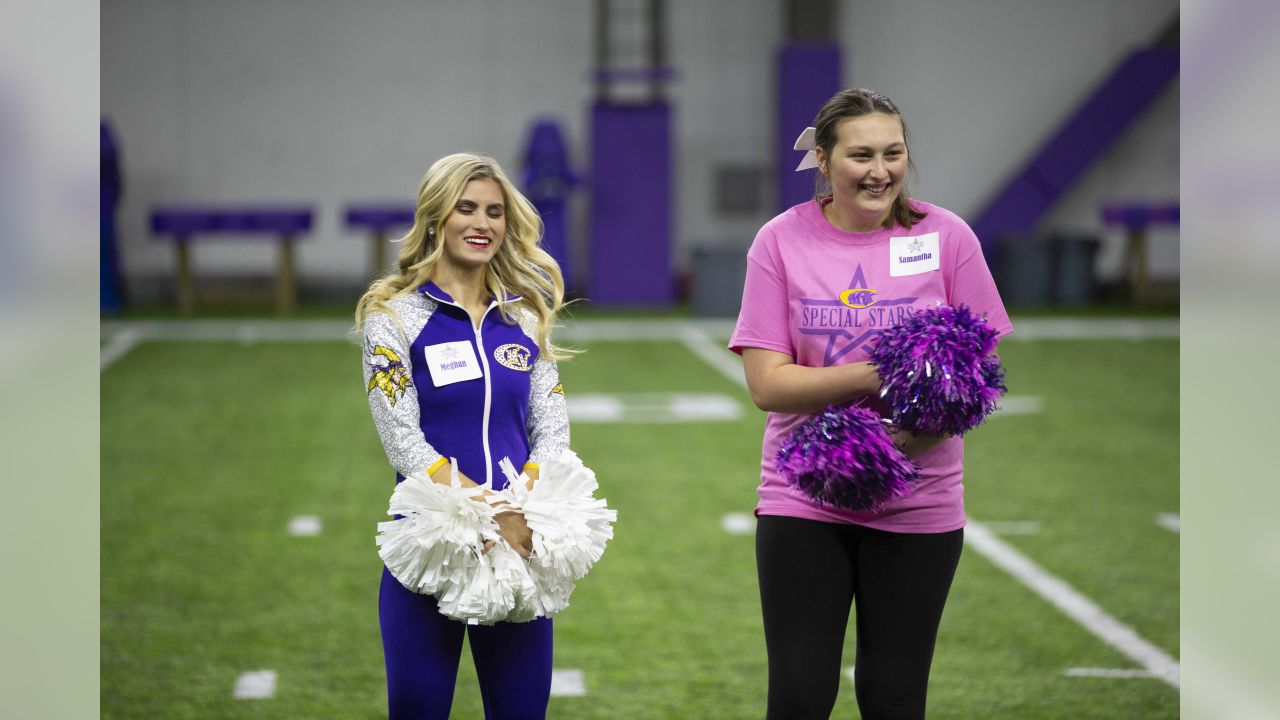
x: 389, y: 373
x: 514, y: 356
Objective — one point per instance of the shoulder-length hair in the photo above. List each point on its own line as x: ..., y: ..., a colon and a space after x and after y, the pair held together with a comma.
x: 853, y: 103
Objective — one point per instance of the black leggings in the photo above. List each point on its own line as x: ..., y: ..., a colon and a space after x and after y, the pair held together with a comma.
x: 810, y: 572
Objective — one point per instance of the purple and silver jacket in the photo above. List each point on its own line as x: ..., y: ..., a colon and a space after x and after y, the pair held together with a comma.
x: 440, y: 388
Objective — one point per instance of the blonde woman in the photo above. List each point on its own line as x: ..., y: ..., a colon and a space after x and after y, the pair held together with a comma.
x: 458, y: 363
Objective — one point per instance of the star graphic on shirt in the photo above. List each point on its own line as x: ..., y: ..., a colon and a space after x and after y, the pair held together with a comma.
x: 915, y: 246
x: 840, y: 341
x: 451, y: 353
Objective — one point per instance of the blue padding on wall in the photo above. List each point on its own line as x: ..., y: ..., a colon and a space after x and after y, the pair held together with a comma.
x: 631, y: 213
x: 808, y: 75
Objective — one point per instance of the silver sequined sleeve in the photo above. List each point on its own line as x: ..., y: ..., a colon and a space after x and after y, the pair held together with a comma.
x: 548, y: 412
x: 388, y: 382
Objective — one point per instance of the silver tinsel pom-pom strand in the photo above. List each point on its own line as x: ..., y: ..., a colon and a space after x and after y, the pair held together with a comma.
x: 438, y: 540
x: 437, y: 546
x: 571, y: 527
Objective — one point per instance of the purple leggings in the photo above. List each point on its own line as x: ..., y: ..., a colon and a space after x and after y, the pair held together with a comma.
x: 422, y: 648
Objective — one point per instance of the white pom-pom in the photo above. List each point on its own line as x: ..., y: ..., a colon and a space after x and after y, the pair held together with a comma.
x: 437, y: 543
x: 513, y: 570
x: 437, y: 547
x: 481, y: 598
x: 570, y: 528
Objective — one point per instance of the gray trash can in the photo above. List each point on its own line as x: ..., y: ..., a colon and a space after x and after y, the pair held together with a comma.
x: 718, y: 274
x: 1024, y: 271
x: 1075, y: 282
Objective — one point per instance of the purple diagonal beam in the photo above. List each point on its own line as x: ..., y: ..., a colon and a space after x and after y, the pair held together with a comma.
x: 1076, y: 144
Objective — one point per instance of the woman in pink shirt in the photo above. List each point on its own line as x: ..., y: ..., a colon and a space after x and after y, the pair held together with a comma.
x: 823, y: 278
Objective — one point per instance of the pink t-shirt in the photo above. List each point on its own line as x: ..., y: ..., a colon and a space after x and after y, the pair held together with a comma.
x: 821, y: 294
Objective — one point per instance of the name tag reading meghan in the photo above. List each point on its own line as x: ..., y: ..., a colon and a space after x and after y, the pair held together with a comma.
x: 451, y: 362
x: 913, y: 255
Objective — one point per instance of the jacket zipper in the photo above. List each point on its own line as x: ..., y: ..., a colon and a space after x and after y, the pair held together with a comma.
x: 488, y: 393
x: 488, y: 389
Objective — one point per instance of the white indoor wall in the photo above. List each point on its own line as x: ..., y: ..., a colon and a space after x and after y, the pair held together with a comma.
x: 982, y: 83
x: 327, y: 102
x: 324, y: 102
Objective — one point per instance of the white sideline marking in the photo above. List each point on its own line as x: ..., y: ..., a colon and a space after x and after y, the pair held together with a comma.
x: 639, y: 330
x: 1019, y: 405
x: 259, y: 684
x: 1013, y: 527
x: 1107, y: 673
x: 1029, y: 330
x: 738, y: 523
x: 1074, y: 605
x: 237, y: 330
x: 1094, y: 329
x: 597, y: 407
x: 712, y: 353
x: 120, y: 345
x: 568, y: 683
x: 1170, y: 521
x: 848, y: 672
x: 304, y: 526
x: 652, y: 407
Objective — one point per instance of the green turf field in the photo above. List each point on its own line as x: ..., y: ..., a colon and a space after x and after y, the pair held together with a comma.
x: 209, y: 448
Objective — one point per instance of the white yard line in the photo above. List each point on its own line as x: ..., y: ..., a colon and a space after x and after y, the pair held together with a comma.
x: 713, y: 353
x: 652, y: 407
x: 305, y: 526
x: 568, y: 683
x: 1107, y: 673
x: 1071, y: 603
x: 736, y: 523
x: 255, y: 685
x: 1170, y: 521
x: 119, y: 346
x: 1032, y: 330
x: 244, y: 331
x: 720, y: 358
x: 271, y: 330
x: 1019, y: 405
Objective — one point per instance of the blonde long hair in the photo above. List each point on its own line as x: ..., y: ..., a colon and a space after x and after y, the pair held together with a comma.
x: 520, y: 267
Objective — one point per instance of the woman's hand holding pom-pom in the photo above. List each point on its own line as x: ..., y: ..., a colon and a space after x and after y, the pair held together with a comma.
x: 938, y: 371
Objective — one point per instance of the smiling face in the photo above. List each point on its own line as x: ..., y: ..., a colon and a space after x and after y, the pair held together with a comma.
x: 867, y: 166
x: 473, y: 232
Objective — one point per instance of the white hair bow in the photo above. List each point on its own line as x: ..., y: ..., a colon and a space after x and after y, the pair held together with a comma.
x: 807, y: 141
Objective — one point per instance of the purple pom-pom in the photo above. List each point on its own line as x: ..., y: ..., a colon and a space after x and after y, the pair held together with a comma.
x: 938, y: 372
x: 844, y: 457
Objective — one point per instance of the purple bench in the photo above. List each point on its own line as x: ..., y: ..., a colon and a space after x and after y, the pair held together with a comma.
x: 281, y: 224
x: 1135, y: 218
x: 381, y: 220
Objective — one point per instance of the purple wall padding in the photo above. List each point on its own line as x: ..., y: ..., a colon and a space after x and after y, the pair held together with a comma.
x: 631, y: 212
x: 182, y: 221
x: 1137, y: 216
x: 1083, y: 138
x: 808, y: 75
x: 380, y: 216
